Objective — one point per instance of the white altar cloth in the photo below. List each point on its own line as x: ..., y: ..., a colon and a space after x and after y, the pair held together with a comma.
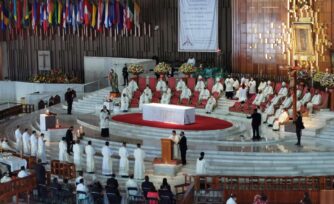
x: 169, y: 113
x: 46, y: 122
x: 14, y: 162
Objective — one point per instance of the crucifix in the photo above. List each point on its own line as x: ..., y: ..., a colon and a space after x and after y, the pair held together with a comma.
x: 292, y: 73
x: 44, y: 55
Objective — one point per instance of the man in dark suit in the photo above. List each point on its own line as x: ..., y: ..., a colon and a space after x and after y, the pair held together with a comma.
x: 69, y: 97
x: 125, y: 74
x: 112, y: 182
x: 40, y: 176
x: 299, y: 126
x: 256, y: 122
x: 69, y: 140
x: 183, y: 147
x: 147, y: 186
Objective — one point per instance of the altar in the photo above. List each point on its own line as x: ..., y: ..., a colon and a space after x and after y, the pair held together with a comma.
x: 47, y: 121
x: 169, y: 113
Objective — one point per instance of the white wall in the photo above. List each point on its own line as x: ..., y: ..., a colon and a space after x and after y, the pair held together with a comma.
x: 98, y: 67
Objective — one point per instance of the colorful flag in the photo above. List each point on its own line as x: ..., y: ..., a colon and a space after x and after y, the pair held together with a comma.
x: 34, y: 18
x: 106, y: 14
x: 45, y: 18
x: 129, y: 15
x: 60, y: 13
x: 94, y: 12
x: 5, y: 20
x: 26, y: 14
x: 86, y: 13
x: 15, y: 10
x: 121, y: 17
x: 137, y: 14
x: 116, y: 12
x: 74, y: 17
x: 111, y: 12
x: 99, y: 15
x: 50, y: 11
x: 19, y: 15
x: 79, y: 13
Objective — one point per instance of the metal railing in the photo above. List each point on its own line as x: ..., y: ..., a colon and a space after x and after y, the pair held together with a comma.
x: 96, y: 85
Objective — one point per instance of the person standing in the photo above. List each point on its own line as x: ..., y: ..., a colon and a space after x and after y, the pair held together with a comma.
x: 106, y: 161
x: 63, y: 156
x: 90, y: 152
x: 125, y: 75
x: 18, y: 137
x: 299, y: 126
x: 183, y: 147
x: 104, y: 121
x: 69, y: 140
x: 176, y: 139
x: 41, y: 148
x: 124, y: 161
x: 77, y: 154
x: 40, y: 176
x: 256, y: 122
x: 113, y: 79
x: 26, y: 141
x: 139, y: 169
x: 33, y: 144
x: 69, y: 96
x: 201, y: 164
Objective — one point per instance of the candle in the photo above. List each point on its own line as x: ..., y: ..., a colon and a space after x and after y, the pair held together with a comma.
x: 57, y: 123
x: 272, y: 25
x: 260, y: 35
x: 81, y: 129
x: 78, y: 133
x: 266, y: 56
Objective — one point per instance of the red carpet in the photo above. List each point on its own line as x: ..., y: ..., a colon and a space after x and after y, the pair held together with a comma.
x: 202, y: 122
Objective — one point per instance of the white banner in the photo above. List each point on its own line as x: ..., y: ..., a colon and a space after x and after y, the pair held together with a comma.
x: 198, y: 26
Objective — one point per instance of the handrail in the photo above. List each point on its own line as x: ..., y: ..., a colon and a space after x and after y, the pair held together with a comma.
x: 189, y: 195
x: 96, y: 85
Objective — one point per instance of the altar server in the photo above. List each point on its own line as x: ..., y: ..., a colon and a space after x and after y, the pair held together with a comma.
x: 18, y: 137
x: 90, y: 153
x: 236, y: 84
x: 124, y: 103
x: 204, y: 94
x: 210, y: 104
x: 252, y: 86
x: 133, y: 86
x: 186, y: 93
x: 26, y: 142
x: 180, y: 85
x: 127, y: 92
x: 165, y: 98
x: 148, y: 92
x: 200, y: 85
x: 41, y: 148
x: 201, y: 165
x: 161, y: 85
x: 107, y: 161
x: 144, y: 99
x: 282, y: 118
x: 229, y: 87
x: 63, y: 155
x: 175, y: 138
x: 259, y: 99
x: 218, y: 87
x: 104, y: 121
x: 316, y: 100
x: 33, y: 144
x: 139, y: 168
x: 124, y: 161
x: 77, y: 155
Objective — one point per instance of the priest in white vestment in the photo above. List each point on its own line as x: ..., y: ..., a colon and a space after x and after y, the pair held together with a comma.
x: 262, y: 86
x: 211, y: 103
x: 125, y: 102
x: 148, y: 92
x: 282, y: 118
x: 106, y: 161
x: 229, y: 87
x: 33, y: 144
x: 186, y: 93
x: 77, y: 155
x: 252, y: 86
x: 18, y: 138
x: 124, y: 161
x: 269, y: 111
x: 63, y: 155
x: 41, y: 148
x: 26, y: 142
x: 316, y: 100
x: 139, y: 168
x: 144, y: 99
x: 200, y: 85
x: 5, y: 146
x: 306, y: 98
x: 275, y: 99
x: 201, y: 165
x: 259, y: 99
x: 127, y: 92
x: 271, y: 119
x: 236, y: 84
x: 133, y: 86
x: 165, y: 98
x: 180, y: 85
x: 218, y: 87
x: 90, y: 153
x: 268, y: 90
x: 287, y: 102
x: 242, y: 93
x: 161, y: 85
x: 176, y: 139
x: 204, y: 94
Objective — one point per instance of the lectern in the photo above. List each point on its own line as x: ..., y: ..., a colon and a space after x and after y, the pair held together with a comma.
x: 166, y: 153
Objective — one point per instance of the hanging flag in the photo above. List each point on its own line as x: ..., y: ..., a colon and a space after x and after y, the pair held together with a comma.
x: 15, y: 10
x: 60, y: 13
x: 94, y: 13
x: 50, y: 11
x: 121, y: 17
x: 34, y: 15
x: 19, y: 15
x: 74, y: 17
x: 1, y: 17
x: 45, y: 18
x: 79, y: 13
x: 5, y: 20
x: 125, y: 11
x: 129, y: 14
x: 86, y: 13
x: 67, y: 11
x: 136, y: 14
x: 106, y: 14
x: 111, y: 12
x: 99, y: 15
x: 116, y: 13
x: 26, y: 14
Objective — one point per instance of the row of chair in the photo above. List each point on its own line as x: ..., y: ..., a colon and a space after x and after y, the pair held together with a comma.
x: 63, y: 169
x: 53, y: 100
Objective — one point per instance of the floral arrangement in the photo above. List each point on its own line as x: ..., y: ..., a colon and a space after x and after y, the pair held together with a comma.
x: 325, y: 79
x: 55, y: 76
x: 136, y: 69
x: 187, y: 68
x: 162, y: 68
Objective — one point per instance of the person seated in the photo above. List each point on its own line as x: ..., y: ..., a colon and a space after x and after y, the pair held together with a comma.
x: 200, y: 85
x: 306, y: 98
x: 204, y: 94
x: 283, y: 91
x: 161, y: 85
x: 131, y: 183
x: 268, y: 90
x: 252, y: 86
x: 259, y: 99
x: 229, y: 87
x: 242, y: 93
x: 282, y: 118
x: 5, y: 178
x: 81, y: 187
x: 186, y: 93
x: 262, y: 85
x: 112, y: 181
x: 276, y: 99
x: 165, y: 98
x: 269, y: 111
x: 97, y: 192
x: 125, y: 102
x: 180, y: 85
x: 22, y: 173
x: 306, y: 199
x: 236, y: 84
x: 232, y: 199
x: 211, y: 103
x: 127, y: 92
x: 201, y: 165
x: 165, y: 185
x: 77, y: 180
x: 218, y: 87
x: 147, y: 186
x: 191, y: 61
x: 113, y: 189
x: 144, y: 99
x: 287, y: 102
x: 55, y: 184
x: 5, y: 145
x: 165, y: 191
x: 316, y: 100
x: 271, y: 119
x: 133, y: 86
x: 299, y: 91
x: 148, y: 91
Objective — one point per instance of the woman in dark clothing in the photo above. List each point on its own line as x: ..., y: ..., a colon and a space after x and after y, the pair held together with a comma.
x: 299, y: 126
